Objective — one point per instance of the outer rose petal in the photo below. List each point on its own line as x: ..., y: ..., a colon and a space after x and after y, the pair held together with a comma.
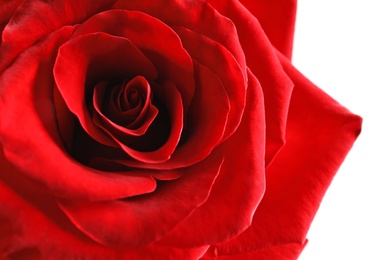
x: 277, y: 18
x: 282, y: 252
x: 33, y: 227
x: 142, y: 220
x: 264, y: 63
x: 42, y: 18
x: 199, y: 19
x: 219, y: 60
x: 239, y: 187
x: 7, y: 9
x: 320, y: 133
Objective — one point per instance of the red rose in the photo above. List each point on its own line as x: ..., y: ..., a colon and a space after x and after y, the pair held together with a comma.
x: 160, y: 129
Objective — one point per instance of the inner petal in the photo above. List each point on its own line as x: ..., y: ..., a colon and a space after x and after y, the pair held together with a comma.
x: 157, y: 41
x: 127, y: 104
x: 122, y: 125
x: 133, y: 94
x: 92, y: 58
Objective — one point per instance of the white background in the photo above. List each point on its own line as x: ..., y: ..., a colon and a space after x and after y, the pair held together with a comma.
x: 344, y: 47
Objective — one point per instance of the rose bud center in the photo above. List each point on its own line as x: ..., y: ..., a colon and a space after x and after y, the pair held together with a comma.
x: 127, y: 104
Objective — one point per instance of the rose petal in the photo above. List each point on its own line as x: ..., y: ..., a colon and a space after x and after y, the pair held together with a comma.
x: 220, y: 61
x: 65, y: 119
x: 87, y: 59
x: 282, y: 252
x: 200, y: 18
x: 155, y: 39
x: 320, y: 132
x: 277, y: 18
x: 38, y: 198
x: 31, y: 139
x: 277, y: 87
x: 7, y: 10
x: 239, y: 186
x: 147, y: 154
x: 205, y: 124
x: 146, y: 114
x: 119, y: 101
x: 17, y: 36
x: 140, y: 221
x: 30, y: 216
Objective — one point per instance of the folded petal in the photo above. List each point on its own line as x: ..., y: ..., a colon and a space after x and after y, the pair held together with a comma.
x: 320, y: 133
x: 134, y: 121
x: 277, y: 18
x: 159, y: 142
x: 88, y: 59
x: 7, y: 10
x: 157, y: 41
x: 264, y: 63
x: 221, y: 62
x: 282, y: 252
x: 17, y: 36
x: 29, y: 216
x: 204, y: 125
x: 199, y: 19
x: 31, y: 139
x: 239, y: 187
x: 141, y: 220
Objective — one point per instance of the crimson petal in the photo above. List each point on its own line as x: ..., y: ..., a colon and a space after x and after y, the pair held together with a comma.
x: 200, y: 18
x: 29, y: 216
x: 17, y: 36
x: 205, y: 123
x: 302, y: 171
x: 140, y: 221
x: 276, y: 85
x: 23, y: 131
x: 163, y: 153
x: 221, y: 62
x: 7, y: 10
x: 277, y: 18
x: 155, y: 39
x: 282, y: 252
x: 88, y: 59
x: 242, y: 174
x: 146, y: 114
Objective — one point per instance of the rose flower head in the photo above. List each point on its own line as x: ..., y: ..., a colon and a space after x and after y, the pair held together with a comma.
x: 156, y: 129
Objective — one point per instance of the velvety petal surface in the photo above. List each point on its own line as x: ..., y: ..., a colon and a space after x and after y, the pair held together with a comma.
x: 205, y: 123
x: 7, y: 9
x: 226, y: 115
x: 239, y: 186
x: 144, y: 219
x: 43, y: 17
x: 277, y: 18
x: 282, y: 252
x: 23, y: 131
x: 33, y: 227
x: 157, y: 41
x: 320, y: 133
x: 263, y: 61
x: 133, y: 121
x: 219, y: 60
x: 199, y: 19
x: 174, y: 119
x: 88, y: 59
